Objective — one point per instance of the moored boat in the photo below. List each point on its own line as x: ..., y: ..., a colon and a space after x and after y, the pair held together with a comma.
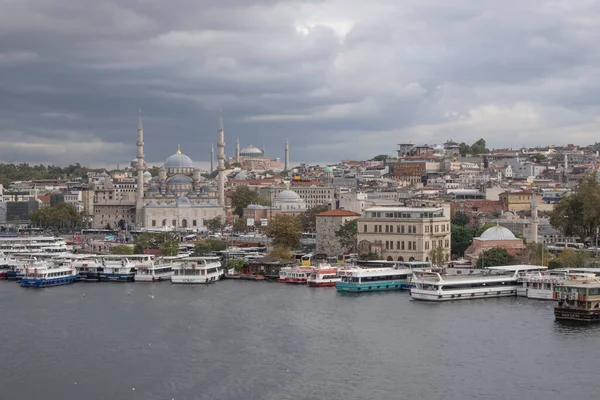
x: 578, y: 301
x: 195, y: 270
x: 154, y: 273
x: 541, y: 285
x: 360, y: 280
x: 88, y: 269
x: 297, y: 275
x: 49, y: 276
x: 491, y: 282
x: 323, y: 275
x: 117, y: 271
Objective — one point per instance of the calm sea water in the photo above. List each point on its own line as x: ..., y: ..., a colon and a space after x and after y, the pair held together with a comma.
x: 260, y: 340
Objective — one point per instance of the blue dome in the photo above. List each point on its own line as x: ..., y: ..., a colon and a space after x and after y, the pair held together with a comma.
x: 179, y: 160
x: 180, y: 180
x: 183, y: 201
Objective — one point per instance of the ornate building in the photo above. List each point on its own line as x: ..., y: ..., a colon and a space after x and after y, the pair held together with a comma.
x: 254, y: 159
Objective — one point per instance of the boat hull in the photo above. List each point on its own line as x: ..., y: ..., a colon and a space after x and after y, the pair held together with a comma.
x: 3, y: 275
x: 569, y: 314
x: 467, y: 294
x: 322, y: 284
x: 104, y: 277
x: 371, y: 286
x: 292, y: 281
x: 194, y: 280
x: 42, y: 283
x: 151, y: 278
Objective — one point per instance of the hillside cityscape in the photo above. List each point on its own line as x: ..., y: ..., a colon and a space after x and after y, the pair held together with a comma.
x: 352, y: 207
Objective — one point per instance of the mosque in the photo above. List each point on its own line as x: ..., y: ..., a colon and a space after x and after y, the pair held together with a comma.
x: 179, y: 197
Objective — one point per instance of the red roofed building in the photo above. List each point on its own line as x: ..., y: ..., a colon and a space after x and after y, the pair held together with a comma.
x: 328, y: 223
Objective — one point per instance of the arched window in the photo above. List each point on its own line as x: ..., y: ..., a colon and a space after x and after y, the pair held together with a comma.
x: 411, y: 259
x: 400, y: 258
x: 164, y: 222
x: 184, y: 223
x: 390, y: 258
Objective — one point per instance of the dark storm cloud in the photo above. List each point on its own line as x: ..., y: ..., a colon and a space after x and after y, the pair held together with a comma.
x: 339, y: 78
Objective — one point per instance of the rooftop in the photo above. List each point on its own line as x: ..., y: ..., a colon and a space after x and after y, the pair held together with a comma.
x: 338, y: 213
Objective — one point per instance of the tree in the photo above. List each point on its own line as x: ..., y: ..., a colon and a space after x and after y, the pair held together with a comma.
x: 166, y: 242
x: 569, y: 258
x: 461, y: 239
x: 214, y: 224
x: 536, y: 254
x: 437, y: 256
x: 494, y: 257
x: 461, y: 219
x: 236, y: 264
x: 346, y: 234
x: 369, y: 256
x: 479, y: 231
x: 208, y: 246
x: 122, y: 250
x: 464, y: 149
x: 60, y: 216
x: 240, y: 224
x: 479, y: 147
x: 281, y: 252
x: 579, y: 213
x: 309, y: 217
x: 286, y: 231
x: 380, y: 157
x: 243, y: 196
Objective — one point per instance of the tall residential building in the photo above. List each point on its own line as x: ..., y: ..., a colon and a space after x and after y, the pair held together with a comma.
x: 404, y: 233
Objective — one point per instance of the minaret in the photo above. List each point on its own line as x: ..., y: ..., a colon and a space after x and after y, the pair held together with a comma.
x: 139, y: 197
x: 287, y: 156
x: 212, y: 157
x: 566, y: 162
x: 237, y: 151
x: 534, y: 218
x: 221, y: 163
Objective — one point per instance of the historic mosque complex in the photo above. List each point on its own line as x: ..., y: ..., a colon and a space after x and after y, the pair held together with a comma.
x: 180, y: 197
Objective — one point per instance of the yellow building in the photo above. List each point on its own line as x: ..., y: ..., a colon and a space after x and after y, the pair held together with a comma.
x: 518, y: 201
x: 404, y: 233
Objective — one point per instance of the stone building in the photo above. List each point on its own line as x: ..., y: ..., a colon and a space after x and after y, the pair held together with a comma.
x: 183, y: 213
x: 496, y: 236
x: 312, y: 195
x: 518, y: 201
x: 286, y: 202
x: 328, y: 223
x: 404, y: 233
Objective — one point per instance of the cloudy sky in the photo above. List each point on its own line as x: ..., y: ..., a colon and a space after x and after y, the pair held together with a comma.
x: 339, y: 78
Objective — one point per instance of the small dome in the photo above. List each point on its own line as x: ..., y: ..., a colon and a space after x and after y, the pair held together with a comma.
x: 287, y: 195
x: 251, y: 151
x: 328, y: 170
x: 179, y: 160
x: 498, y: 233
x: 183, y: 201
x: 180, y: 180
x: 241, y: 176
x: 147, y: 174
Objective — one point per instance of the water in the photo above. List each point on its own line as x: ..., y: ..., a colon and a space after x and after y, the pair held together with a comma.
x: 260, y: 340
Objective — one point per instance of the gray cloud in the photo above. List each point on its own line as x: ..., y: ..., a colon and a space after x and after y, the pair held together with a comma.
x: 339, y: 78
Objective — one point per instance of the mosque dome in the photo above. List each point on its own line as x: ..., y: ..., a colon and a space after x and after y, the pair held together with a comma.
x: 287, y: 196
x: 241, y: 176
x: 251, y: 151
x: 498, y: 233
x: 147, y: 174
x: 180, y: 180
x: 328, y: 170
x: 183, y: 201
x: 179, y: 160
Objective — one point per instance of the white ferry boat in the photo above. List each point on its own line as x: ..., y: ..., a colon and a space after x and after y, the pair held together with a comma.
x: 490, y: 282
x: 360, y: 280
x: 542, y: 285
x: 154, y: 273
x: 88, y: 268
x: 197, y: 270
x: 323, y: 275
x: 298, y: 275
x: 116, y: 271
x: 45, y: 276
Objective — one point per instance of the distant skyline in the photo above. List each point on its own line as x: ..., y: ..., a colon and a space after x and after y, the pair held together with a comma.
x: 342, y: 79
